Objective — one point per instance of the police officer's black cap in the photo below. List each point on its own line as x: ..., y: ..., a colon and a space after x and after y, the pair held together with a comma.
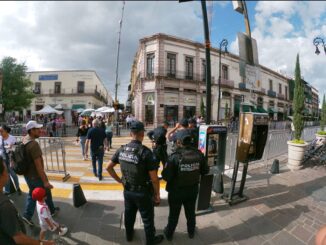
x: 137, y: 126
x: 192, y: 121
x: 184, y: 136
x: 184, y: 122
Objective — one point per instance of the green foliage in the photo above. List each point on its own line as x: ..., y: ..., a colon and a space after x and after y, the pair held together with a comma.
x: 16, y: 91
x: 202, y: 108
x: 321, y: 132
x: 297, y: 141
x: 323, y: 115
x: 298, y: 102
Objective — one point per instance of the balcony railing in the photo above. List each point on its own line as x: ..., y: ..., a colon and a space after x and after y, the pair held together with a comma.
x: 263, y: 90
x: 180, y: 75
x: 281, y: 96
x: 72, y: 92
x: 227, y: 83
x: 271, y: 93
x: 242, y: 86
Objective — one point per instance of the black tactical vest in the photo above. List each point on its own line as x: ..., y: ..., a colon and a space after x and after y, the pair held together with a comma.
x: 133, y: 171
x: 188, y: 168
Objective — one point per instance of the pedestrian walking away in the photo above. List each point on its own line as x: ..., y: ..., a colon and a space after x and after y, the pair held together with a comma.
x: 158, y: 138
x: 140, y: 182
x: 182, y: 174
x: 6, y: 143
x: 109, y: 134
x: 45, y: 219
x: 12, y: 229
x: 97, y: 138
x: 35, y: 175
x: 82, y: 136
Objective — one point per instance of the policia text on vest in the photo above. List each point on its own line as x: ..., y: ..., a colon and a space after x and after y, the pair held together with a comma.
x: 140, y: 181
x: 182, y: 173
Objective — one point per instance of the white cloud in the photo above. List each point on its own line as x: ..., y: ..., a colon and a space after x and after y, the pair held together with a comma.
x: 286, y: 28
x: 83, y: 35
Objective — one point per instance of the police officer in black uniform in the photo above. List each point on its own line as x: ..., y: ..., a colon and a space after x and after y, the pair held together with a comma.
x: 158, y: 138
x: 182, y: 173
x: 194, y: 132
x: 140, y: 181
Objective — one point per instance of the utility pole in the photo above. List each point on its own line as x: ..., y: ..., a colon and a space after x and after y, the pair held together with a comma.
x: 116, y: 102
x: 208, y: 64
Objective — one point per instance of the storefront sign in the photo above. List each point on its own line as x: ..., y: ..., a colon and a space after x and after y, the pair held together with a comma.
x: 150, y: 99
x: 48, y: 77
x: 190, y: 100
x: 171, y: 99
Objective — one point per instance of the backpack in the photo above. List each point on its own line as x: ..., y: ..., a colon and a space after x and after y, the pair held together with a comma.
x: 20, y: 161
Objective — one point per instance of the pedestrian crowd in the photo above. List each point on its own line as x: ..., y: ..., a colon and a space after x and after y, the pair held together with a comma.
x: 182, y: 170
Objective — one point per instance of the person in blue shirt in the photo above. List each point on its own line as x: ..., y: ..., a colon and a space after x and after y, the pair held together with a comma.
x: 97, y: 138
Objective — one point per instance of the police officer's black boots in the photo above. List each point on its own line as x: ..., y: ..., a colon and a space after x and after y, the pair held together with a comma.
x: 158, y: 239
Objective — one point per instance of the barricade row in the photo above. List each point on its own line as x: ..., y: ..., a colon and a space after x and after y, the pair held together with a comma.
x: 276, y: 144
x: 54, y: 154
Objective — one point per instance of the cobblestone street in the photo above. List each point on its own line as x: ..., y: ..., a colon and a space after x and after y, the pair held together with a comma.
x: 287, y: 208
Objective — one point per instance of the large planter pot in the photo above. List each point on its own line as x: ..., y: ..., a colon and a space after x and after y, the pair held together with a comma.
x: 320, y: 139
x: 295, y: 155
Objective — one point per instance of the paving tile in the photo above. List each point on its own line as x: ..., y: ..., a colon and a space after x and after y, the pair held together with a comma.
x: 285, y: 238
x: 301, y: 233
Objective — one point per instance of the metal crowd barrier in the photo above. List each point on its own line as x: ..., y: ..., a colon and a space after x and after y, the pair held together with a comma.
x: 276, y: 145
x: 54, y: 155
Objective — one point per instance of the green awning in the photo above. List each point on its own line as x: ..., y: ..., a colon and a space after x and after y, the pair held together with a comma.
x: 261, y: 109
x: 75, y: 107
x: 271, y: 110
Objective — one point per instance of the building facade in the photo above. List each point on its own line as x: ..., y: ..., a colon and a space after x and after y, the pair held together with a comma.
x: 69, y: 89
x: 168, y: 83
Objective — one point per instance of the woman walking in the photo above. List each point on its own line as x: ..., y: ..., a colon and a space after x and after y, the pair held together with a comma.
x: 6, y: 143
x: 109, y: 134
x: 81, y: 135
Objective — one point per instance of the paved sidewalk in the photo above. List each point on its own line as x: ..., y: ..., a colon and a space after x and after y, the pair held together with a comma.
x: 287, y: 208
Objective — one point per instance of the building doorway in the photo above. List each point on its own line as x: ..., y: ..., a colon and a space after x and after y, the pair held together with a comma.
x: 171, y: 114
x: 189, y: 111
x: 149, y: 114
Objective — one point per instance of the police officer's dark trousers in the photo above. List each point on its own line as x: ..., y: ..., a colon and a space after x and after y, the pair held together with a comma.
x: 185, y: 196
x: 160, y: 153
x: 142, y: 201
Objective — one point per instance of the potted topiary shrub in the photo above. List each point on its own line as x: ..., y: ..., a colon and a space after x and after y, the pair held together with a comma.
x: 321, y: 135
x: 297, y: 146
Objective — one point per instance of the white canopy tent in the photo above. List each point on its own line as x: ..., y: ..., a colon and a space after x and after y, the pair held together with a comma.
x: 102, y: 109
x: 47, y: 110
x: 58, y: 107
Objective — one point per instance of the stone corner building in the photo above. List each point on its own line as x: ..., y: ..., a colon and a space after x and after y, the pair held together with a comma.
x: 168, y: 83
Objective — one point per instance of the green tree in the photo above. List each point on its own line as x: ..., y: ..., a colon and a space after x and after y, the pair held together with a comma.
x: 16, y: 91
x: 323, y: 115
x: 298, y: 102
x: 202, y: 108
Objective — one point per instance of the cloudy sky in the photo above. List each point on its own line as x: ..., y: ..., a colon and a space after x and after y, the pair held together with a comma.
x: 83, y: 35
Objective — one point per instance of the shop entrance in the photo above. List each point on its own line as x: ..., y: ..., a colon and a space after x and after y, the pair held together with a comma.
x: 149, y: 114
x: 189, y: 111
x: 171, y: 114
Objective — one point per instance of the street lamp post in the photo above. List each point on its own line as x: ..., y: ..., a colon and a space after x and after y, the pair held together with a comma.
x: 316, y: 42
x: 223, y: 43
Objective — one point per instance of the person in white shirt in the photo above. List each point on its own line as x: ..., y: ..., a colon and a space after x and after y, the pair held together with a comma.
x: 45, y: 218
x: 6, y: 146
